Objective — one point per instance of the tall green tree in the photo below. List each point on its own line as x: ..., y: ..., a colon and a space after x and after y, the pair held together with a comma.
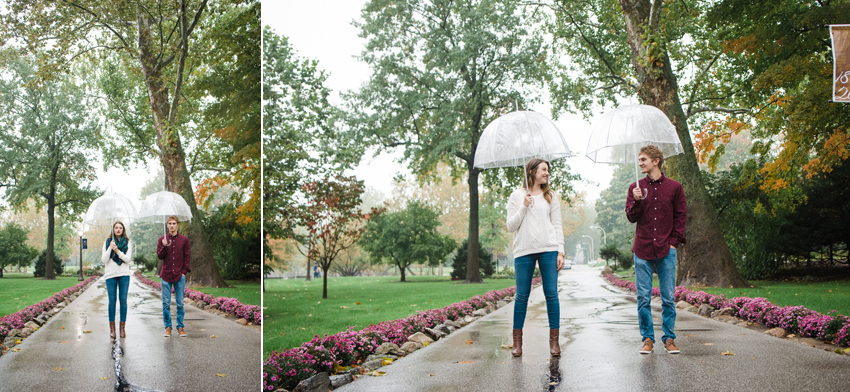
x: 611, y: 209
x: 14, y: 252
x: 296, y: 115
x: 47, y: 136
x: 441, y: 71
x: 407, y: 237
x: 150, y: 42
x: 647, y: 49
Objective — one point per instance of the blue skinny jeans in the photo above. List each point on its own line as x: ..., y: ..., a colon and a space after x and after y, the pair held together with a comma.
x: 179, y: 291
x: 120, y: 284
x: 524, y: 266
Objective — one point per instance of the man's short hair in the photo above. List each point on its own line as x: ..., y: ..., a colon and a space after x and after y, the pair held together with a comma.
x: 172, y: 218
x: 653, y: 153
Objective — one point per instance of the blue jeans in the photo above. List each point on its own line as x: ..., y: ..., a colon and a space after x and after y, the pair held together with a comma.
x: 121, y: 284
x: 179, y: 287
x: 666, y: 268
x: 524, y: 266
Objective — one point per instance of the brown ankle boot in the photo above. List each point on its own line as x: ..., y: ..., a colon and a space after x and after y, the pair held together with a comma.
x: 112, y: 329
x: 554, y: 347
x: 517, y: 351
x: 123, y: 334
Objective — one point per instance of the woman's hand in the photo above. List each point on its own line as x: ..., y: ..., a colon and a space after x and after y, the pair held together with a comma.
x: 560, y: 262
x: 113, y: 247
x: 527, y: 200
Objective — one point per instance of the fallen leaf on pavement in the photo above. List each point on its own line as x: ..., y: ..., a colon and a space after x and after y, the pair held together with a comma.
x: 728, y: 353
x: 689, y: 336
x: 507, y: 346
x: 377, y: 373
x: 64, y: 341
x: 220, y: 374
x: 14, y: 350
x: 386, y: 362
x: 709, y: 344
x: 468, y: 341
x: 89, y: 331
x: 213, y: 336
x: 431, y: 375
x: 58, y: 369
x: 465, y: 361
x: 426, y: 343
x: 104, y: 378
x: 62, y: 327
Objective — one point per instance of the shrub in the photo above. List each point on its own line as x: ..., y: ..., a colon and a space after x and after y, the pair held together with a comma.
x: 42, y: 261
x: 485, y: 261
x: 506, y: 273
x: 625, y: 260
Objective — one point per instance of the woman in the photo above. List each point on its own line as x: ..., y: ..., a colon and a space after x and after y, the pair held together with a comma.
x: 535, y: 219
x: 116, y: 258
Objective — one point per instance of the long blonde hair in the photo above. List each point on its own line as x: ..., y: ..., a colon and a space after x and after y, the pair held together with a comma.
x: 530, y: 171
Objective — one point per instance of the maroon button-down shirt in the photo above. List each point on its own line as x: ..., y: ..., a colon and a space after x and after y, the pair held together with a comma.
x: 660, y: 217
x: 175, y: 257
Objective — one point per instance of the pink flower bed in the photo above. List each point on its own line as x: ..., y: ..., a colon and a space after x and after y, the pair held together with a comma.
x: 794, y: 319
x: 18, y: 319
x: 252, y: 313
x: 287, y: 368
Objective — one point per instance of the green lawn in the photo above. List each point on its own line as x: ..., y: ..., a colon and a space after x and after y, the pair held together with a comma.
x: 295, y: 311
x: 247, y: 292
x: 18, y: 291
x: 821, y: 297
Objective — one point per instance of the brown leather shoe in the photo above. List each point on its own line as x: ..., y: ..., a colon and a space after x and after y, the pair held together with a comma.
x: 167, y: 332
x: 181, y: 332
x: 554, y: 347
x: 121, y: 330
x: 647, y: 346
x: 517, y: 350
x: 671, y: 346
x: 112, y: 329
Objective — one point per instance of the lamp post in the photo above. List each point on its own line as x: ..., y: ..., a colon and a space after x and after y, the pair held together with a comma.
x: 591, y: 245
x: 604, y: 236
x: 81, y: 255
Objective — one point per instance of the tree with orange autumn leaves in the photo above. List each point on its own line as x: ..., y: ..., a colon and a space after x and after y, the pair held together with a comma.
x: 332, y: 220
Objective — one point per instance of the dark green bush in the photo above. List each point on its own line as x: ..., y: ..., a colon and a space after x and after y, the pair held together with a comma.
x: 486, y: 264
x: 42, y: 261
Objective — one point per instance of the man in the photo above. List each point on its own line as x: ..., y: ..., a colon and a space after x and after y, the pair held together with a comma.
x: 173, y: 249
x: 658, y: 208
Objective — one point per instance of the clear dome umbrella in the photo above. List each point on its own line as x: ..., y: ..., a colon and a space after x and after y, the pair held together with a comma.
x: 159, y: 206
x: 618, y: 135
x: 109, y: 208
x: 518, y: 137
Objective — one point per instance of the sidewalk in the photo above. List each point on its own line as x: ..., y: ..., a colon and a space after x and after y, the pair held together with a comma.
x: 64, y: 356
x: 599, y: 343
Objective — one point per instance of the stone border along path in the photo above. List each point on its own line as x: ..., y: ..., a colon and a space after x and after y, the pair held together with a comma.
x: 213, y: 309
x: 725, y: 315
x: 16, y: 337
x: 389, y: 352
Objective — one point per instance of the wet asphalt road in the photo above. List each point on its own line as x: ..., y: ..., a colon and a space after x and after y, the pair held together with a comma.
x: 69, y: 359
x: 599, y: 342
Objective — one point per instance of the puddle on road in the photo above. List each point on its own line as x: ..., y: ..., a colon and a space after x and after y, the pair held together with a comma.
x: 553, y: 374
x: 121, y: 384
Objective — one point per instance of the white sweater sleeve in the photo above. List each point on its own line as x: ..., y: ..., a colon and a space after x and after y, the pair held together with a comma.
x: 104, y: 255
x: 555, y: 218
x: 516, y: 212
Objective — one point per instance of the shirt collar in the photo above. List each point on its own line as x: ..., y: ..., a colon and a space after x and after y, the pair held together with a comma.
x: 658, y: 181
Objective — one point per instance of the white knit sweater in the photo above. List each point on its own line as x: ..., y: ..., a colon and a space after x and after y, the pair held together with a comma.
x: 112, y: 269
x: 536, y: 228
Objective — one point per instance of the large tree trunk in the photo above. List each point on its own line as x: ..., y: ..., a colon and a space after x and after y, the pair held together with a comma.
x: 705, y: 260
x: 173, y: 158
x: 401, y: 269
x: 325, y: 280
x: 51, y: 234
x: 473, y: 273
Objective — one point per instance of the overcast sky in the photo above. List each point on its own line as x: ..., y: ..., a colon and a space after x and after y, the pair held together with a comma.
x: 321, y: 30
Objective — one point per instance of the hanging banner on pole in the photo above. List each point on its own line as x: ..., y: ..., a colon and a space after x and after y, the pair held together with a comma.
x: 841, y: 59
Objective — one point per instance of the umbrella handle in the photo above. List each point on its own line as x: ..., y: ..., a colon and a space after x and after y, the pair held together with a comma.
x: 637, y: 168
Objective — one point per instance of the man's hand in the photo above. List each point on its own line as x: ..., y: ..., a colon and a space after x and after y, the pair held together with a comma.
x: 637, y: 193
x: 164, y: 241
x: 672, y: 247
x: 560, y: 262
